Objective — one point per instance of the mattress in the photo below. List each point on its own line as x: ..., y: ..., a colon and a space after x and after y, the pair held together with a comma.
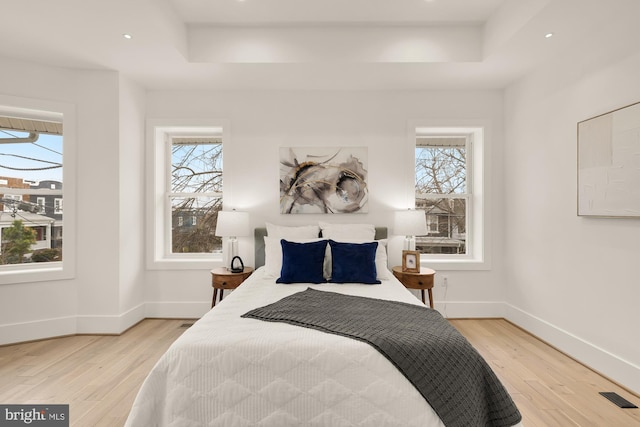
x: 231, y: 371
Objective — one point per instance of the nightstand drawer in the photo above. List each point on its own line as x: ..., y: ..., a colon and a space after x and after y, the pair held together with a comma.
x: 417, y: 281
x: 227, y: 282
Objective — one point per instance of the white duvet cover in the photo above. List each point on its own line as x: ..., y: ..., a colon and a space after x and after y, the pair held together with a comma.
x: 231, y: 371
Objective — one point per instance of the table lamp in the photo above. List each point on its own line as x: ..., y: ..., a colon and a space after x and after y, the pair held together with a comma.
x: 410, y: 223
x: 232, y: 224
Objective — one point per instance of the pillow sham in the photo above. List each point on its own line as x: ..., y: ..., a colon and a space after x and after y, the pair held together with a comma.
x: 297, y: 232
x: 347, y: 231
x: 302, y: 262
x: 353, y: 262
x: 382, y: 269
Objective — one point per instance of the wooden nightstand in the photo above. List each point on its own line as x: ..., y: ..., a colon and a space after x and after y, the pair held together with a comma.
x: 222, y: 279
x: 422, y: 280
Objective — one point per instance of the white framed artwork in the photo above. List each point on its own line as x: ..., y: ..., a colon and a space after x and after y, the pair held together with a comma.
x: 609, y: 164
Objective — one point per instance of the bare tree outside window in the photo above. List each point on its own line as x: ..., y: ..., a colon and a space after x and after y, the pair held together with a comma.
x: 442, y: 192
x: 196, y: 194
x: 31, y: 189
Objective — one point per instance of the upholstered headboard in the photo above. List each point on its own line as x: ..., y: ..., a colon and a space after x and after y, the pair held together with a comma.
x: 259, y: 233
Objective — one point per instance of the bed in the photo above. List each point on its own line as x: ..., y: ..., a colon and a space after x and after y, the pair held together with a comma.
x: 232, y: 370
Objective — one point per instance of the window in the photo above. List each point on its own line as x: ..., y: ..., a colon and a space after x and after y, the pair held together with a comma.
x: 449, y: 188
x: 443, y: 192
x: 40, y: 202
x: 8, y: 199
x: 32, y: 172
x: 187, y: 194
x: 196, y: 192
x: 57, y: 206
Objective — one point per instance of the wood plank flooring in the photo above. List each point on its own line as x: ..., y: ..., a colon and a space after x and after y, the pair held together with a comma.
x: 549, y: 388
x: 99, y: 376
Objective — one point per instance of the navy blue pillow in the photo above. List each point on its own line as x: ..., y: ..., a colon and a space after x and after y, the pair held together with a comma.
x: 302, y: 262
x: 353, y: 262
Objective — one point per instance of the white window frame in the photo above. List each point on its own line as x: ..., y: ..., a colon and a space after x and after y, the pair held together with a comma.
x: 478, y: 233
x: 37, y: 109
x: 41, y: 202
x: 159, y: 135
x: 7, y: 207
x: 430, y: 223
x: 57, y: 206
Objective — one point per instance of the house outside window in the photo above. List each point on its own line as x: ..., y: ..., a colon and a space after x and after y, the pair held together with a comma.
x: 32, y: 141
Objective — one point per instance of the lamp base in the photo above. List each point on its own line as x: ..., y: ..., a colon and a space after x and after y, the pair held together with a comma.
x: 409, y: 243
x: 232, y: 250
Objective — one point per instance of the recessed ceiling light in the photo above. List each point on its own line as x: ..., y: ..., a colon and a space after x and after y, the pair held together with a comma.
x: 548, y: 35
x: 127, y: 36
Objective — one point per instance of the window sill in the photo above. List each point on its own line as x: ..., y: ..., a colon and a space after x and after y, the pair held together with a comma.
x: 183, y: 263
x: 43, y: 272
x: 455, y: 264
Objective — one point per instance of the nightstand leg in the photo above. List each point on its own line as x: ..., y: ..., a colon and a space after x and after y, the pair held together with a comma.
x: 430, y: 298
x: 213, y: 300
x: 422, y: 291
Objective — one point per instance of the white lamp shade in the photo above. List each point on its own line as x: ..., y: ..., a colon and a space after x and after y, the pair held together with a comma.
x: 232, y: 224
x: 410, y: 223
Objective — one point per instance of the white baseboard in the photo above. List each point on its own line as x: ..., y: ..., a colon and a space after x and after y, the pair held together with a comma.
x: 12, y: 333
x: 177, y: 310
x: 50, y: 328
x: 619, y: 370
x: 110, y: 324
x: 37, y: 330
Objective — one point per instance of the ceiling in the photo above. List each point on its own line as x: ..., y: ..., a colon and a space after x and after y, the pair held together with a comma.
x: 309, y: 44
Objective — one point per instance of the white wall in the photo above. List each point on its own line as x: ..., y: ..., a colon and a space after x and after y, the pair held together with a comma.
x: 91, y: 300
x: 98, y: 199
x: 131, y: 202
x: 261, y: 122
x: 111, y: 290
x: 571, y: 280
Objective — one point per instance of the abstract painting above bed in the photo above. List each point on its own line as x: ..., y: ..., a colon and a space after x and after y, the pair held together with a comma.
x: 323, y: 180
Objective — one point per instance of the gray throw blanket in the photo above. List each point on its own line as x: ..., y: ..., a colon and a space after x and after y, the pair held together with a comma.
x: 441, y: 364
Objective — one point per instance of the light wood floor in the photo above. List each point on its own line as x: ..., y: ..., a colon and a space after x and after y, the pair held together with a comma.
x: 99, y: 376
x: 549, y: 388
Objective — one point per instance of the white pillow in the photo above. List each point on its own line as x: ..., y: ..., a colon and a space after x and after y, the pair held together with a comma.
x: 382, y: 270
x: 340, y: 232
x: 273, y: 254
x: 286, y: 232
